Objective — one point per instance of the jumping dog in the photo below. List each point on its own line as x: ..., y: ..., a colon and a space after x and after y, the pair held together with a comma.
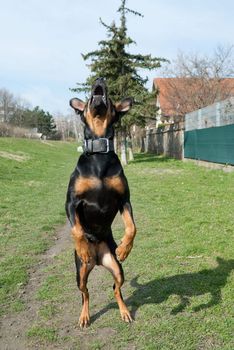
x: 97, y: 190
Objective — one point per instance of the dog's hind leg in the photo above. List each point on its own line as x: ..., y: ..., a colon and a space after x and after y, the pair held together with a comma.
x: 82, y: 273
x: 109, y: 261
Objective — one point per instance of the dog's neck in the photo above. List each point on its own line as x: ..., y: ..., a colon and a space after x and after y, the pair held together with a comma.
x: 94, y: 131
x: 98, y: 142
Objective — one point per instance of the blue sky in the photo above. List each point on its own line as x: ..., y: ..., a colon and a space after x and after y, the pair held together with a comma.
x: 41, y: 41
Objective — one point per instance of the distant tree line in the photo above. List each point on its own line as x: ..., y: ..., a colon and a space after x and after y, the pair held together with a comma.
x: 17, y: 112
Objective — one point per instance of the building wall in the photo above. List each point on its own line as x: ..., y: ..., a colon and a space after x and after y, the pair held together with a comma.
x: 217, y: 114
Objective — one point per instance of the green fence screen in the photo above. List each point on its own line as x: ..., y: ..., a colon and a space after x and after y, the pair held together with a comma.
x: 210, y: 144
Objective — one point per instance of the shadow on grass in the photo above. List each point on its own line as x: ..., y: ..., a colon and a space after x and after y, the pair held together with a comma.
x: 184, y: 286
x: 149, y: 157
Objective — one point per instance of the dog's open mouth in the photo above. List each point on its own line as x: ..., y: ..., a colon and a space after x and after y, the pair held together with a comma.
x: 99, y: 95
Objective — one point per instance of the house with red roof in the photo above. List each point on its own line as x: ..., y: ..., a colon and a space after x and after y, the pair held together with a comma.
x: 178, y: 96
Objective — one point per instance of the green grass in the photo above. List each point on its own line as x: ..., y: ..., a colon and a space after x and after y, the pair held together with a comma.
x: 179, y: 273
x: 46, y: 334
x: 179, y: 284
x: 31, y: 206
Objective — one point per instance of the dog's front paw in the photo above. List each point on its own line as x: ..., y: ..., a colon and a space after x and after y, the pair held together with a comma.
x: 122, y: 251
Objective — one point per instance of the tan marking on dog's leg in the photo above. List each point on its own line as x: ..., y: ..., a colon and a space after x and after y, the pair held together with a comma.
x: 127, y: 241
x: 108, y: 261
x: 85, y: 269
x: 82, y: 245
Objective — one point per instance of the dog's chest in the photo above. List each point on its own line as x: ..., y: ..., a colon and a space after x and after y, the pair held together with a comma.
x: 94, y: 184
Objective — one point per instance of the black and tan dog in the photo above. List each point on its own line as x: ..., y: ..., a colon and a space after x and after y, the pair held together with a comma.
x: 98, y: 189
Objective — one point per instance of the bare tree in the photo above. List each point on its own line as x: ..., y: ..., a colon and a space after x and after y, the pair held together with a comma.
x: 16, y: 116
x: 69, y: 126
x: 7, y: 104
x: 12, y: 107
x: 195, y: 81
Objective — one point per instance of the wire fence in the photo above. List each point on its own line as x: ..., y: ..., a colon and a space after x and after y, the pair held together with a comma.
x: 217, y: 114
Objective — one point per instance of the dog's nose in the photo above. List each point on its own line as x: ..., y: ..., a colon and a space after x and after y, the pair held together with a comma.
x: 100, y: 79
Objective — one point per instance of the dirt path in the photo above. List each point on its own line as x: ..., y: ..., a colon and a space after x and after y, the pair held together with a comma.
x: 13, y: 327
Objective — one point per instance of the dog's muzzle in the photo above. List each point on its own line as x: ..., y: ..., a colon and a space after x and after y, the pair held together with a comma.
x: 98, y: 100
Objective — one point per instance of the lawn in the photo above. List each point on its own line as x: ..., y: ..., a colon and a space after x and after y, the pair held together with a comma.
x: 33, y: 177
x: 179, y: 284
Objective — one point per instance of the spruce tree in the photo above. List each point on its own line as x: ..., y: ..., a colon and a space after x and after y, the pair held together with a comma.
x: 38, y: 118
x: 120, y: 69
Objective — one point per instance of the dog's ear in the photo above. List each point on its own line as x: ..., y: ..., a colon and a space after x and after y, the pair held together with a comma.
x: 122, y: 107
x: 77, y: 105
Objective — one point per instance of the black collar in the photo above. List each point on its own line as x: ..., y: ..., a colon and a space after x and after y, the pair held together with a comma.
x: 101, y: 145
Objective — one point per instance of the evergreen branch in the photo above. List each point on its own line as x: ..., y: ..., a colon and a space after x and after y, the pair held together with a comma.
x: 104, y: 24
x: 133, y: 12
